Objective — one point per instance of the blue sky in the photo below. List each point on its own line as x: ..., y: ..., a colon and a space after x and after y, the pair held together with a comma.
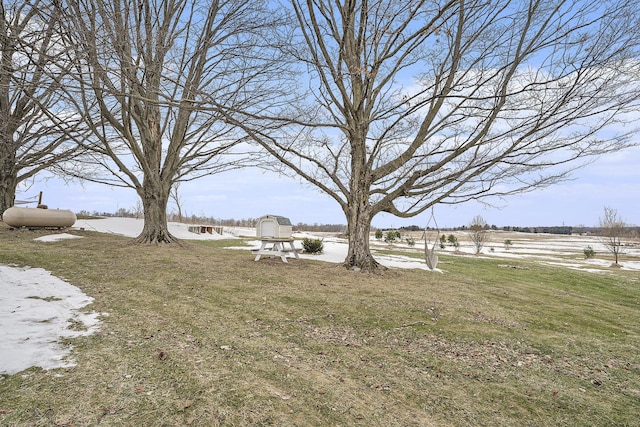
x: 612, y: 180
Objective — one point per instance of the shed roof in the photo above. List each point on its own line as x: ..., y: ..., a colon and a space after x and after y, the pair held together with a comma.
x: 280, y: 220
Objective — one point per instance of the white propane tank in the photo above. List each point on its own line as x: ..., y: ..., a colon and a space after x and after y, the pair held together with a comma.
x: 35, y: 217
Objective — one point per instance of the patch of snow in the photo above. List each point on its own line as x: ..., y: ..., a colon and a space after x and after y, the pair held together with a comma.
x: 630, y: 265
x: 335, y: 251
x: 36, y: 310
x: 56, y: 237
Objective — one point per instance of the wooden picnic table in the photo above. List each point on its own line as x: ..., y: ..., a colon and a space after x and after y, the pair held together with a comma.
x: 276, y: 247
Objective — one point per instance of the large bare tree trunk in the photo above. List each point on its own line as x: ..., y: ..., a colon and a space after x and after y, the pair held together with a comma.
x: 359, y: 211
x: 359, y: 215
x: 154, y: 202
x: 8, y: 184
x: 359, y: 255
x: 8, y: 166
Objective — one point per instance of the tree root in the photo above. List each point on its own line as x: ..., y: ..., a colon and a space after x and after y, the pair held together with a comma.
x: 156, y: 238
x: 370, y: 265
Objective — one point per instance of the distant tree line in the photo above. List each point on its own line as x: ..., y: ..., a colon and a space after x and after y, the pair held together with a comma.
x: 459, y: 228
x: 548, y: 230
x: 326, y: 228
x: 556, y: 229
x: 173, y: 217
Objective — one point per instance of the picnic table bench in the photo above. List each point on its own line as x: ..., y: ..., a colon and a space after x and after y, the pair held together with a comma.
x: 275, y: 247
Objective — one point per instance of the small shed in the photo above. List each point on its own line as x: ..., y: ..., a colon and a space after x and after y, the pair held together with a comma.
x: 274, y: 227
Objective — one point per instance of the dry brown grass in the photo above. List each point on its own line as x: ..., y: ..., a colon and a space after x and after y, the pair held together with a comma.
x: 201, y: 335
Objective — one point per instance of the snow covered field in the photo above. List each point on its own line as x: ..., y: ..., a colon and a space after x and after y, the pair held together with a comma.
x: 546, y: 248
x: 37, y: 309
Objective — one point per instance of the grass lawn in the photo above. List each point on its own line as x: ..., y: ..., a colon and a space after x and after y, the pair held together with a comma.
x: 201, y: 335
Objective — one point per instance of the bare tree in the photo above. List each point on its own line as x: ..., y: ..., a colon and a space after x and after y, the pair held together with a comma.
x: 177, y: 200
x: 417, y: 103
x: 146, y: 70
x: 478, y: 233
x: 34, y: 128
x: 612, y: 230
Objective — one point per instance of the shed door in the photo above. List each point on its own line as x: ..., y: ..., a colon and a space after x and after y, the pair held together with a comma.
x: 268, y: 228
